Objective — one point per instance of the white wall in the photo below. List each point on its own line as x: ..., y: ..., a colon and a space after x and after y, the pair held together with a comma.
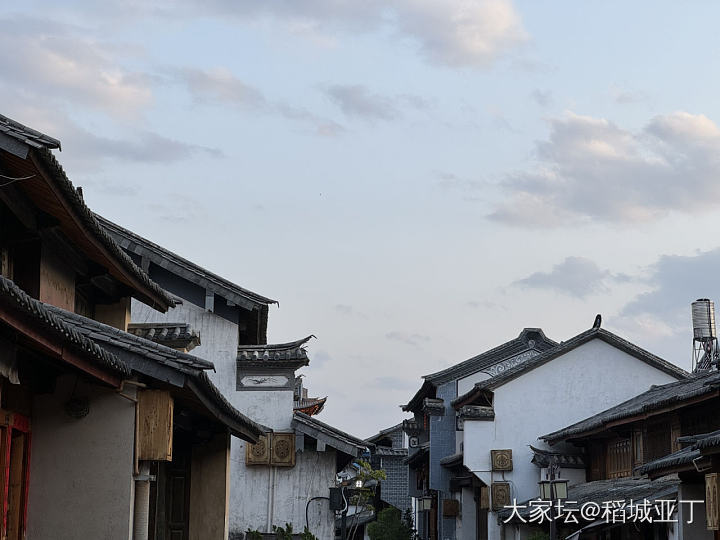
x: 279, y: 495
x: 252, y: 495
x: 81, y: 470
x: 582, y: 382
x: 465, y: 529
x: 466, y: 384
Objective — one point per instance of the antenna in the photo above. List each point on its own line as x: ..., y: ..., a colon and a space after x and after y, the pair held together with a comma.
x: 705, y: 344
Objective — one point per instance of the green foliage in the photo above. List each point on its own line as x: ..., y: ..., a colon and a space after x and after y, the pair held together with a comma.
x: 283, y: 534
x: 307, y: 535
x: 389, y: 526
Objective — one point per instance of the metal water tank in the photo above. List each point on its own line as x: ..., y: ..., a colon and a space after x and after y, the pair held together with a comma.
x: 703, y: 319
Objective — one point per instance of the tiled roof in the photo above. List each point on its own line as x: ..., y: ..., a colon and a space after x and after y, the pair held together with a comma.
x: 387, y: 431
x: 238, y: 423
x: 695, y: 445
x: 332, y: 436
x: 476, y: 412
x: 529, y: 339
x: 290, y: 354
x: 655, y: 398
x: 711, y: 440
x: 617, y: 489
x: 173, y: 335
x: 26, y: 135
x: 419, y: 456
x: 114, y: 337
x: 152, y: 293
x: 684, y: 456
x: 172, y: 262
x: 567, y: 346
x: 191, y: 366
x: 12, y: 295
x: 310, y: 406
x: 390, y: 452
x: 542, y: 459
x: 453, y: 460
x: 530, y: 342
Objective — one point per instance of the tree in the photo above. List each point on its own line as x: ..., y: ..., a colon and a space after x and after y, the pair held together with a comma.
x: 389, y: 526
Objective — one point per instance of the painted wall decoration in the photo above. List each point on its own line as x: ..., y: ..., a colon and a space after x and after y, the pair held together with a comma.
x: 501, y: 460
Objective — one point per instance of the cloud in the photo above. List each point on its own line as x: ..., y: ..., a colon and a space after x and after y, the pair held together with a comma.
x: 574, y: 276
x: 56, y: 60
x: 460, y: 33
x: 590, y: 169
x: 324, y: 127
x: 219, y: 86
x: 624, y: 96
x: 463, y: 32
x: 144, y: 147
x: 544, y: 98
x: 356, y: 100
x: 85, y: 149
x: 676, y: 281
x: 415, y: 340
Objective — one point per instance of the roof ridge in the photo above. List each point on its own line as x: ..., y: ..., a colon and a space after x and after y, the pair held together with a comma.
x: 182, y: 261
x: 57, y: 174
x: 277, y: 346
x: 38, y: 310
x: 196, y: 362
x: 38, y: 139
x: 519, y: 340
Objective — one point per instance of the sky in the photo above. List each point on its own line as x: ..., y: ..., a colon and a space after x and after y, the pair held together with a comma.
x: 414, y: 180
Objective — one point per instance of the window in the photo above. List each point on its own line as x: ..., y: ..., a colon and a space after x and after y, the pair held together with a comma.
x: 14, y: 474
x: 619, y: 458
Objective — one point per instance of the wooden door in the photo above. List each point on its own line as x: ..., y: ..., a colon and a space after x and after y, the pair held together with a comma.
x: 177, y: 492
x: 433, y: 519
x: 15, y: 466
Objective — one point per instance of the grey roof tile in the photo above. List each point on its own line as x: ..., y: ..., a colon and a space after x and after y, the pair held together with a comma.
x: 26, y: 134
x: 174, y: 335
x: 177, y: 264
x: 617, y: 489
x: 655, y: 398
x: 57, y: 175
x: 117, y: 338
x: 347, y: 440
x: 567, y: 346
x: 15, y: 297
x: 530, y: 342
x: 293, y: 354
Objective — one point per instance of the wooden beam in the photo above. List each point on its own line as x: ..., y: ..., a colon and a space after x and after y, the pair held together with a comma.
x: 112, y: 260
x: 54, y: 239
x: 107, y: 284
x: 51, y: 347
x: 20, y: 206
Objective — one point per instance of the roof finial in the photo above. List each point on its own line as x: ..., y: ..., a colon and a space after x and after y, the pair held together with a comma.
x: 598, y: 321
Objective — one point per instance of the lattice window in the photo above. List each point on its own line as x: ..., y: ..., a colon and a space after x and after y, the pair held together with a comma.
x: 619, y: 458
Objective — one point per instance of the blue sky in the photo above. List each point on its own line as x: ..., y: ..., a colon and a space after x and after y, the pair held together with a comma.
x: 414, y: 180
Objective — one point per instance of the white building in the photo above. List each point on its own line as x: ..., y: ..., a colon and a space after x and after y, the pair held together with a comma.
x: 501, y: 408
x: 286, y: 478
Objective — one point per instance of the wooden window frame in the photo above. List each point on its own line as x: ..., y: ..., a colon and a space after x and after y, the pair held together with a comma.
x: 10, y: 424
